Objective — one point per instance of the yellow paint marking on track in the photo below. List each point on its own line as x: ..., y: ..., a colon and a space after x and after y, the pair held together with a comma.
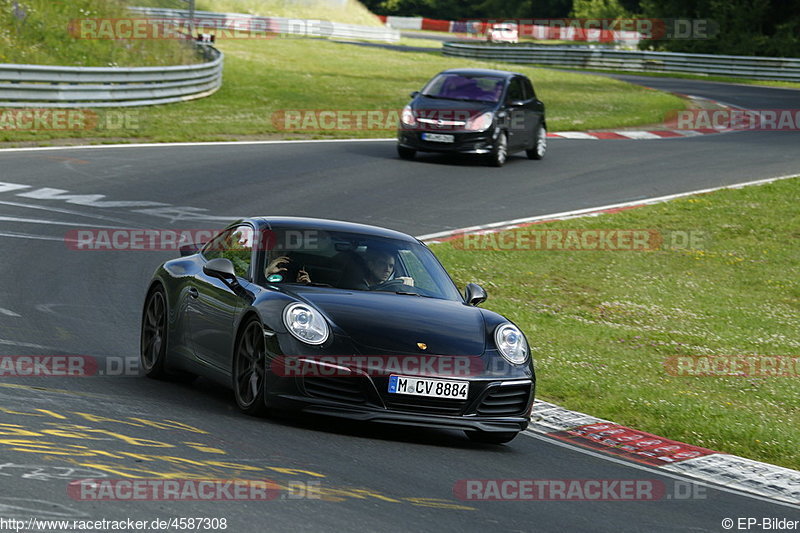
x: 46, y: 389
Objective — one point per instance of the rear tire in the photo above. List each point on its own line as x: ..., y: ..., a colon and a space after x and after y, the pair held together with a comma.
x: 487, y: 437
x: 539, y: 144
x: 406, y: 153
x: 500, y: 153
x: 249, y: 369
x: 153, y: 339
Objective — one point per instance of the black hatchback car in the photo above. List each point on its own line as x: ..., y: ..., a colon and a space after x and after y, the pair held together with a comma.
x: 474, y: 111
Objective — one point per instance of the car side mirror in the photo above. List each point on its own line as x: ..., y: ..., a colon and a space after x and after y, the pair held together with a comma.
x: 414, y: 94
x: 220, y: 268
x: 516, y: 103
x: 474, y: 294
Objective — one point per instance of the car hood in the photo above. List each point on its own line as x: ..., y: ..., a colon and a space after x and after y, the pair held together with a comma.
x: 384, y: 322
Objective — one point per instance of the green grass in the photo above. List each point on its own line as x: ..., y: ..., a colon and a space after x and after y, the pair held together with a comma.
x: 267, y: 76
x: 352, y: 12
x: 602, y: 323
x: 38, y: 33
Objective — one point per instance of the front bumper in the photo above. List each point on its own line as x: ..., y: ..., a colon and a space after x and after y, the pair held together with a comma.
x: 492, y: 405
x: 464, y: 142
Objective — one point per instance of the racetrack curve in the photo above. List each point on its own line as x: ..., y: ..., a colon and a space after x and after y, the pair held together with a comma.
x: 376, y: 478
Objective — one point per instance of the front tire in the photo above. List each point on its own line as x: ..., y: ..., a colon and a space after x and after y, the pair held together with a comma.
x: 249, y: 369
x: 539, y: 144
x: 486, y: 437
x: 406, y: 153
x: 153, y: 340
x: 500, y: 152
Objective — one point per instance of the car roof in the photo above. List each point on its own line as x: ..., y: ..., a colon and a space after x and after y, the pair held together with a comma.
x: 282, y: 222
x: 482, y: 72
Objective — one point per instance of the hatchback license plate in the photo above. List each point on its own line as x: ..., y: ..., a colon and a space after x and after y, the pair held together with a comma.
x: 434, y: 388
x: 438, y: 137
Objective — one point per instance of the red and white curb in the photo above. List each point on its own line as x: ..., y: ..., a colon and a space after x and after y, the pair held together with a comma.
x: 624, y: 443
x: 638, y: 135
x: 664, y: 133
x: 737, y: 473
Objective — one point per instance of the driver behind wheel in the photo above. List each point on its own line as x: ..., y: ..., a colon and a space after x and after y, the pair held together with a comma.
x: 380, y: 267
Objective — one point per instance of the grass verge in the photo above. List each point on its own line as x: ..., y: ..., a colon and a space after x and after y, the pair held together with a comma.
x: 267, y: 76
x: 601, y: 324
x: 37, y: 32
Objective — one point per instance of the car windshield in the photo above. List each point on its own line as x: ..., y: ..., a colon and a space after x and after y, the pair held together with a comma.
x: 465, y: 87
x: 354, y: 261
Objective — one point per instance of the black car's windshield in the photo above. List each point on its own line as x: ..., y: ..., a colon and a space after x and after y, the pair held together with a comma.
x: 476, y: 88
x: 354, y: 261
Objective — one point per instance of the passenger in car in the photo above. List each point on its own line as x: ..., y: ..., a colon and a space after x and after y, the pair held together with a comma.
x: 279, y: 267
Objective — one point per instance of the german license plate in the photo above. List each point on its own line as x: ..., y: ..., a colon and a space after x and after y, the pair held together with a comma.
x: 438, y: 137
x: 433, y: 388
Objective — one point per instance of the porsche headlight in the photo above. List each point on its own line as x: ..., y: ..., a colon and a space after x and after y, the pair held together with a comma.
x: 511, y: 343
x: 480, y: 123
x: 407, y: 116
x: 305, y: 323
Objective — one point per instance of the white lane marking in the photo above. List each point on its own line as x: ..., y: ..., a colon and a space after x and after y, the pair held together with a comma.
x: 34, y: 237
x: 8, y: 312
x: 653, y: 470
x: 67, y: 212
x: 687, y: 133
x: 6, y: 187
x: 575, y: 135
x: 175, y: 213
x: 90, y: 200
x: 215, y: 143
x: 51, y: 222
x: 596, y: 210
x: 6, y: 342
x: 638, y: 134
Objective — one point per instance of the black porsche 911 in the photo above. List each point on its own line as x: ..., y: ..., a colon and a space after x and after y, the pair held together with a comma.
x: 474, y: 111
x: 339, y: 319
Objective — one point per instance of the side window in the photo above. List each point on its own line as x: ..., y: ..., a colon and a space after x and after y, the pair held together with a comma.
x: 529, y: 88
x: 515, y: 91
x: 235, y: 244
x: 417, y: 270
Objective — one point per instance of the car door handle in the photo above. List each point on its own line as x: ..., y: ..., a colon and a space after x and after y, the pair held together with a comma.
x: 193, y: 292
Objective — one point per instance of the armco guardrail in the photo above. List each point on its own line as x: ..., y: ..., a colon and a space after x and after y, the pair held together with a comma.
x: 767, y: 68
x: 278, y: 25
x: 53, y: 86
